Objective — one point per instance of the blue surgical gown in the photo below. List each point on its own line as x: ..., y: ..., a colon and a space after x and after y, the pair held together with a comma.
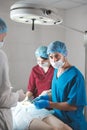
x: 70, y: 88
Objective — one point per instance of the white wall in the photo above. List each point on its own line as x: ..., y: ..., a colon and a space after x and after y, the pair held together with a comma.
x: 76, y: 18
x: 20, y: 46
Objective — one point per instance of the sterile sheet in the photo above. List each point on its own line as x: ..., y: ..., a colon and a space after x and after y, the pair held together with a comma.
x: 24, y: 113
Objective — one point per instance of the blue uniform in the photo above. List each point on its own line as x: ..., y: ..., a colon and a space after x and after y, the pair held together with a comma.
x: 70, y: 88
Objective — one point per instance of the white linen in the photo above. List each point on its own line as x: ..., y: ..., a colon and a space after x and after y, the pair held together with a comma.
x: 24, y: 113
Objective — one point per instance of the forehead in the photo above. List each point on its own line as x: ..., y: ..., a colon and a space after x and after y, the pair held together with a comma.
x: 55, y: 54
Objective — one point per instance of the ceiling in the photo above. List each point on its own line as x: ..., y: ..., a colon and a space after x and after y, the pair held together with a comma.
x: 61, y: 4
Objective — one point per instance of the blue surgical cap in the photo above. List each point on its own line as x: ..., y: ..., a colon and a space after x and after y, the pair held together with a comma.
x: 57, y: 46
x: 41, y: 52
x: 3, y: 26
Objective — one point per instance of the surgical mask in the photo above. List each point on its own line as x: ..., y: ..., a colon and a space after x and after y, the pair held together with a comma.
x: 58, y: 64
x: 45, y: 64
x: 1, y: 44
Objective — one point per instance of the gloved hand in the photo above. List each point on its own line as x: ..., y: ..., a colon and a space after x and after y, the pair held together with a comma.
x: 45, y: 97
x: 21, y: 95
x: 46, y: 92
x: 42, y: 104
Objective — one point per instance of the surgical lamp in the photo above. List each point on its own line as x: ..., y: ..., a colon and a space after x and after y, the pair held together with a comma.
x: 29, y: 13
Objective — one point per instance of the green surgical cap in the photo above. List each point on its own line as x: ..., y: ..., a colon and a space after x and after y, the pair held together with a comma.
x: 57, y: 46
x: 41, y: 52
x: 3, y: 26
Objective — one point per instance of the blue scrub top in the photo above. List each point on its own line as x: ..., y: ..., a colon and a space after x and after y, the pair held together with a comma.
x: 70, y: 88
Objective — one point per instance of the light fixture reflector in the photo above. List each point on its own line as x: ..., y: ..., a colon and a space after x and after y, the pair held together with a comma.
x: 26, y: 12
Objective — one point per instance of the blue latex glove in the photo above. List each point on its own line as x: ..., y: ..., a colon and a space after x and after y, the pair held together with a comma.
x: 45, y: 97
x: 42, y: 104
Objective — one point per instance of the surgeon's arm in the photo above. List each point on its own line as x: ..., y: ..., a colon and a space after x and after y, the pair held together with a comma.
x: 63, y: 106
x: 7, y: 97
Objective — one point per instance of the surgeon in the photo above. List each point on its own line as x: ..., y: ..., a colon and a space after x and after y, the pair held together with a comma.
x: 41, y: 75
x: 68, y: 89
x: 8, y: 99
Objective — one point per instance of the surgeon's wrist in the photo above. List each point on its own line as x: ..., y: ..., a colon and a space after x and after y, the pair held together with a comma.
x: 51, y: 104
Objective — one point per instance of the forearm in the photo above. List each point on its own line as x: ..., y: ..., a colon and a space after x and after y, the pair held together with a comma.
x: 63, y: 106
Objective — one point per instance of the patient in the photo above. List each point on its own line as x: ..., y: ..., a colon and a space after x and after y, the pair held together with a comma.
x: 27, y: 117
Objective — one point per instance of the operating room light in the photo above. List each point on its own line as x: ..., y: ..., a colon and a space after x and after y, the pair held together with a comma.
x: 29, y: 13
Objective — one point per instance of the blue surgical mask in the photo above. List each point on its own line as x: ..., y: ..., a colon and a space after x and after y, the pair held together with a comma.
x: 1, y: 44
x: 58, y: 64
